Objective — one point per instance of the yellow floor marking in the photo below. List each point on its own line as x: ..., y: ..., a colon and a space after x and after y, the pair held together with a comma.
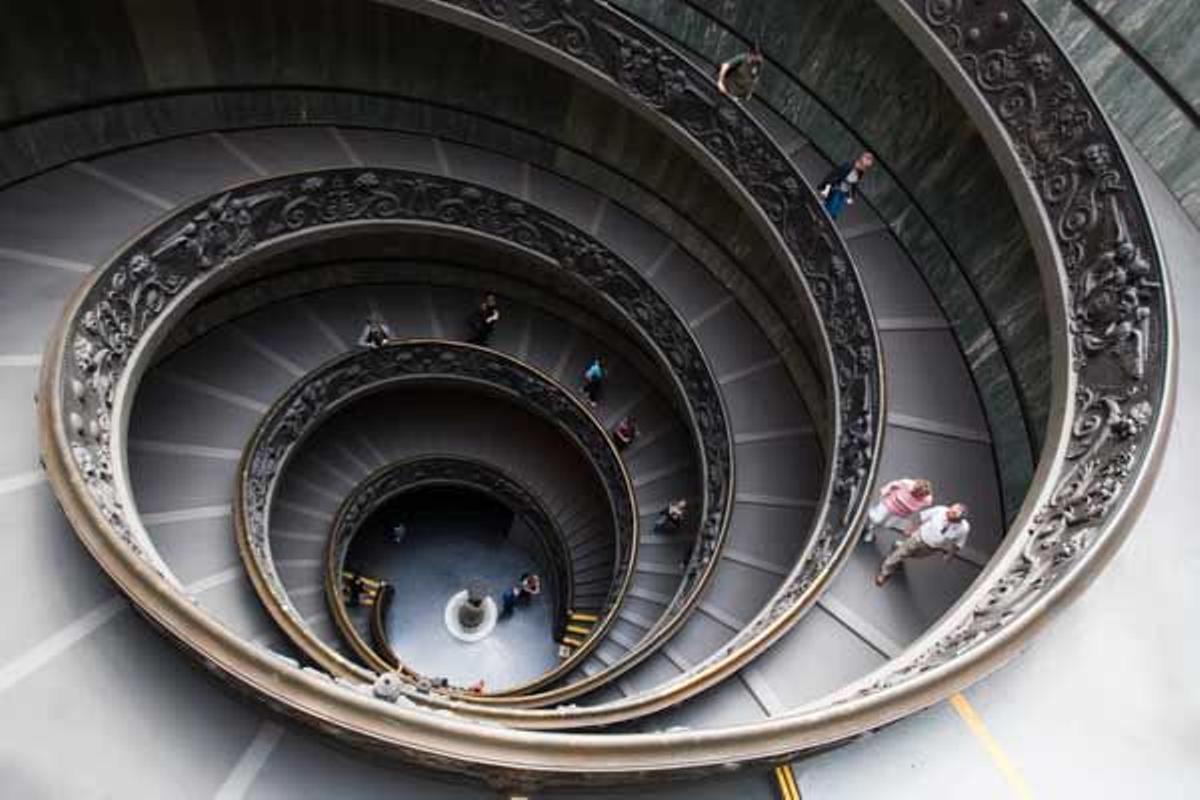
x: 999, y: 757
x: 787, y: 783
x: 790, y: 775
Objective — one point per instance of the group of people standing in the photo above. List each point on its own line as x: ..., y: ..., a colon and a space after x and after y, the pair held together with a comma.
x: 481, y: 323
x: 906, y: 506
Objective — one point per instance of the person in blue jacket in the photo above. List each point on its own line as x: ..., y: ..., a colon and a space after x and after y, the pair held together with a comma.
x: 840, y: 186
x: 593, y: 380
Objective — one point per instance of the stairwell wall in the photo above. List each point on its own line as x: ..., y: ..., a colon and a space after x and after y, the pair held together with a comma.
x: 1141, y: 61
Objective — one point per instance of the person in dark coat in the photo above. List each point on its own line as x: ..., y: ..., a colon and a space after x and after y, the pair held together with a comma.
x: 483, y: 320
x: 842, y: 184
x: 671, y: 518
x: 375, y: 333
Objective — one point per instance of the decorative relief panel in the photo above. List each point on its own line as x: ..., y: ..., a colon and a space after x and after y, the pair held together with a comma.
x: 1115, y: 305
x: 122, y: 306
x: 310, y: 401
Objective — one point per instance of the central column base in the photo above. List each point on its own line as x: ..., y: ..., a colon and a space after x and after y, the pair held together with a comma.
x: 460, y: 610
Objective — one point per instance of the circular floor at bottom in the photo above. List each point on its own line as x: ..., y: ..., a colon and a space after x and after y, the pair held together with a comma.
x: 442, y: 551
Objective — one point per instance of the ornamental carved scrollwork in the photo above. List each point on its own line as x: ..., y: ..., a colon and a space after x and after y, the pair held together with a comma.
x: 1116, y: 309
x: 176, y: 256
x: 306, y: 404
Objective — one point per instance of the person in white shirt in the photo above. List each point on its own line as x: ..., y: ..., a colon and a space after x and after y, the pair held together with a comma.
x: 941, y: 529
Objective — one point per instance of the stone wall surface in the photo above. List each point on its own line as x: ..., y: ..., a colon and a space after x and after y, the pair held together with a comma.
x: 1164, y: 33
x: 842, y: 74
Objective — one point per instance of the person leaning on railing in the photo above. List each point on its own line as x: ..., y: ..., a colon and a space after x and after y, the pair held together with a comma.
x: 738, y: 77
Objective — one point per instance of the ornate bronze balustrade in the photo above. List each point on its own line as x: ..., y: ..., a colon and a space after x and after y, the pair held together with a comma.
x: 1112, y: 322
x: 1099, y: 255
x: 601, y: 44
x: 321, y: 393
x: 393, y: 480
x: 383, y: 646
x: 1115, y: 359
x: 122, y: 312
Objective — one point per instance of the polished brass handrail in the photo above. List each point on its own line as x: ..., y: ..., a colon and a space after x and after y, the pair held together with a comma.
x: 383, y: 603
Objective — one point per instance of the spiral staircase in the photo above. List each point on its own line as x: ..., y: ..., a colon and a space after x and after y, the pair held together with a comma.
x: 190, y: 256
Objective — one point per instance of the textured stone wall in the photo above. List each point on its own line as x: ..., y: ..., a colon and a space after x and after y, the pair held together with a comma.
x: 844, y: 76
x: 1166, y: 34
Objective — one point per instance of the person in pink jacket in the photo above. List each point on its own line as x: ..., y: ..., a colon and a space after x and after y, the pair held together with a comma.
x: 898, y: 502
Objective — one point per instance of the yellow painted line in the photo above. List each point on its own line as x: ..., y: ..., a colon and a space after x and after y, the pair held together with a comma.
x: 999, y: 757
x: 791, y: 777
x: 787, y: 783
x: 579, y: 616
x: 578, y: 629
